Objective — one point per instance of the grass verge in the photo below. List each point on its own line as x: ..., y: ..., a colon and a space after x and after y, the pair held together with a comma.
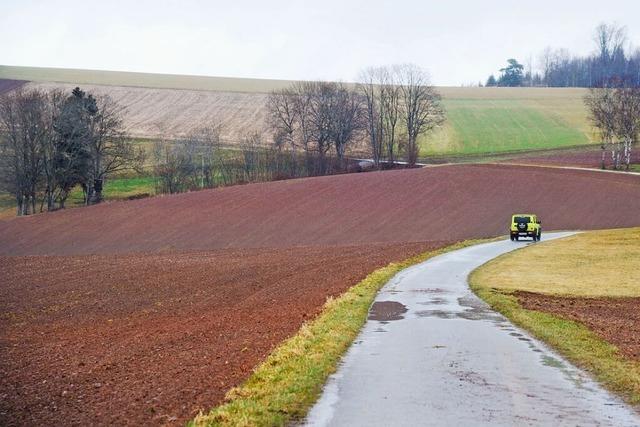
x: 569, y: 258
x: 573, y: 340
x: 289, y: 381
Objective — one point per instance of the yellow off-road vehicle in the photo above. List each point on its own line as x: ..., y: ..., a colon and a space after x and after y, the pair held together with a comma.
x: 526, y: 225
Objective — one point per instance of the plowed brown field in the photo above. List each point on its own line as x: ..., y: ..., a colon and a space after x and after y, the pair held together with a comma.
x: 146, y: 311
x: 7, y: 85
x: 154, y: 338
x: 439, y: 203
x: 615, y: 320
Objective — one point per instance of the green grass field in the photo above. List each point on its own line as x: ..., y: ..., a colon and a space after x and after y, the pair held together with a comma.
x: 498, y: 120
x: 119, y: 189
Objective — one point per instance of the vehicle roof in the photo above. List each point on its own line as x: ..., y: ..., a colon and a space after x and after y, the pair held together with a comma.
x: 524, y: 215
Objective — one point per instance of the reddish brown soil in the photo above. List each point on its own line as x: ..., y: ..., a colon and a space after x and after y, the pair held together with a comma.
x: 153, y: 338
x: 616, y: 320
x: 587, y: 157
x: 7, y: 85
x: 438, y: 203
x: 147, y: 338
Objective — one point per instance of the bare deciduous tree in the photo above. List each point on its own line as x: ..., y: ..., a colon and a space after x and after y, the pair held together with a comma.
x: 421, y: 106
x: 601, y: 106
x: 615, y: 112
x: 373, y: 93
x: 346, y: 119
x: 190, y: 162
x: 610, y: 40
x: 23, y: 127
x: 111, y: 150
x: 381, y: 92
x: 250, y: 145
x: 315, y: 117
x: 627, y: 119
x: 283, y: 109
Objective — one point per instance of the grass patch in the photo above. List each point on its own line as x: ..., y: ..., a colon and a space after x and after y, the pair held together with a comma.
x: 289, y: 381
x: 7, y: 205
x: 498, y: 120
x: 573, y: 340
x: 118, y: 189
x: 593, y: 264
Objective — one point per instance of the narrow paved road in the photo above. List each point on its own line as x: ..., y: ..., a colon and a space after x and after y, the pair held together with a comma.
x: 432, y: 353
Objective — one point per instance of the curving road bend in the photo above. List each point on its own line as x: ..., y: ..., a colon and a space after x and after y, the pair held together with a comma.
x: 433, y: 354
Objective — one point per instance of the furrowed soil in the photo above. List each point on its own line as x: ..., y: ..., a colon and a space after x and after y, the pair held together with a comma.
x: 146, y: 311
x: 174, y: 113
x: 154, y: 338
x: 438, y: 203
x: 615, y: 320
x: 7, y: 85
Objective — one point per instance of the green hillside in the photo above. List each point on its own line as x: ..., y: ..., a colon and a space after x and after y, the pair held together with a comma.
x: 490, y: 120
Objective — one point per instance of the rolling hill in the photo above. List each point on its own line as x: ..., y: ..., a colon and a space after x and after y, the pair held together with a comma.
x: 433, y: 203
x: 150, y: 310
x: 480, y: 120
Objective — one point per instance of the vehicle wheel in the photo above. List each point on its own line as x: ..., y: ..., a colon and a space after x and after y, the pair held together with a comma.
x: 517, y: 238
x: 512, y: 238
x: 535, y: 237
x: 539, y: 235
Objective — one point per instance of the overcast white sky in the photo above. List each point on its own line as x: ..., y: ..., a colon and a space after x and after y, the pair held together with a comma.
x: 458, y: 41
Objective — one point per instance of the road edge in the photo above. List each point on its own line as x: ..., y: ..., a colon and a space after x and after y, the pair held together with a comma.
x: 599, y: 358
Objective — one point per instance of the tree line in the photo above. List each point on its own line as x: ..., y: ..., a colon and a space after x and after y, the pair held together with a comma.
x: 614, y: 110
x: 309, y: 129
x: 54, y: 141
x: 389, y: 109
x: 612, y: 59
x: 201, y: 160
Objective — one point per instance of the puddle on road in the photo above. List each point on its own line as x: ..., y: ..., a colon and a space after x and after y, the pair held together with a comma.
x: 472, y: 309
x: 430, y: 291
x: 434, y: 301
x: 552, y: 361
x: 384, y: 311
x: 441, y: 314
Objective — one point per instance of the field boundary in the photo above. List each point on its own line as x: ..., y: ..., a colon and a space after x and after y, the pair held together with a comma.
x: 575, y: 168
x: 142, y: 80
x: 286, y: 385
x: 495, y: 156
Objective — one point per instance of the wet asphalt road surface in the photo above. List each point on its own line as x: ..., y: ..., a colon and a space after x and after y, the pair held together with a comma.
x: 432, y: 353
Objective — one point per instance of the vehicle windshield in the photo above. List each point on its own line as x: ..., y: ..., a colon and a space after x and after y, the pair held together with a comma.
x: 519, y: 219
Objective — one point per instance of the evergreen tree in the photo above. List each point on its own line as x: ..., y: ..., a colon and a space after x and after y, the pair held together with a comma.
x: 512, y: 74
x: 72, y: 159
